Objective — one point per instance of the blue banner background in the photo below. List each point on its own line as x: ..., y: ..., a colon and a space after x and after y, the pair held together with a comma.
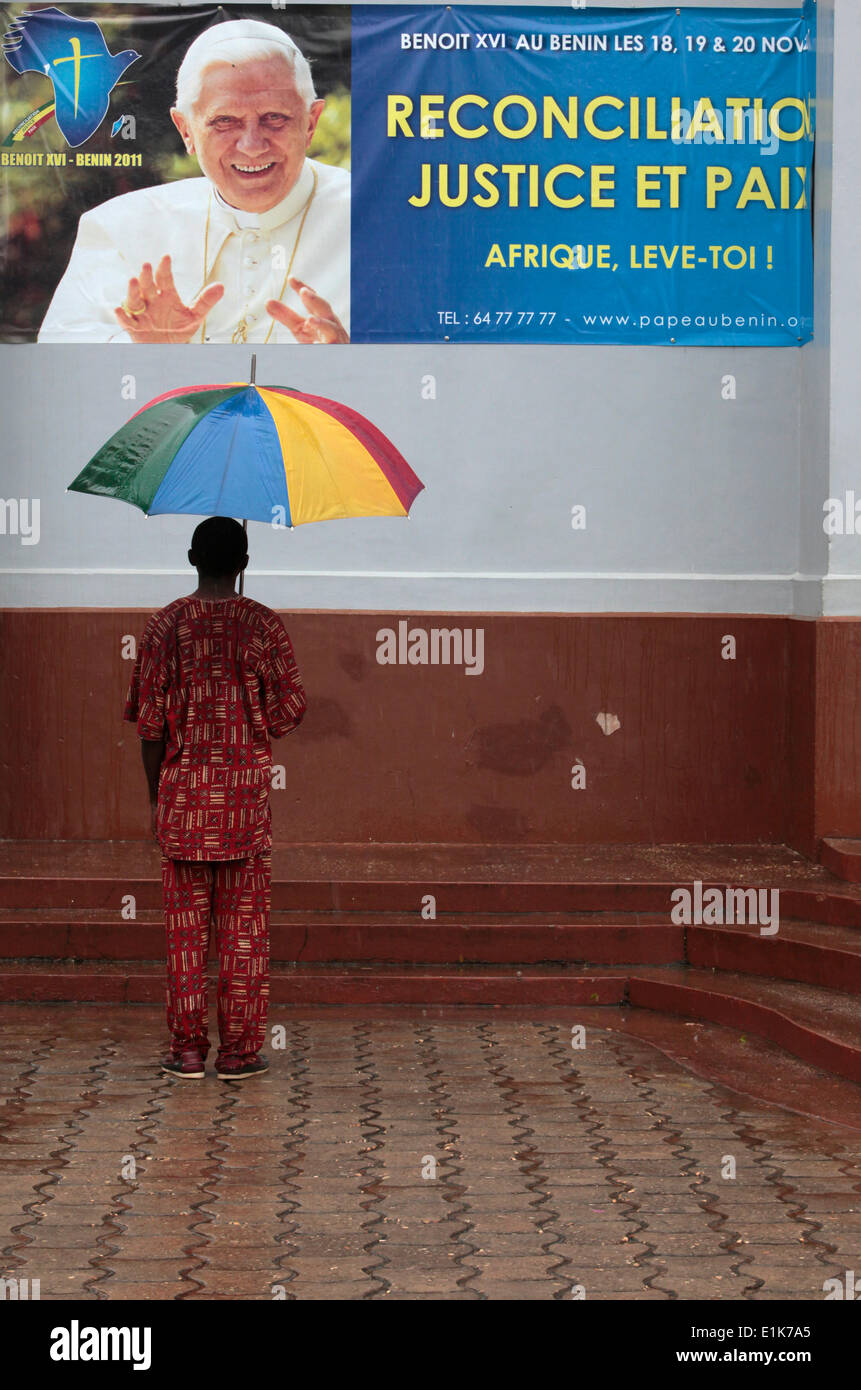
x: 419, y: 274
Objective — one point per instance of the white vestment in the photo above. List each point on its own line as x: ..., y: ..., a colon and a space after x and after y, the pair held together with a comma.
x: 249, y: 253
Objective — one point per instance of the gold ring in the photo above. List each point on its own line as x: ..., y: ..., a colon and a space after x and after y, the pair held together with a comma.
x: 133, y: 313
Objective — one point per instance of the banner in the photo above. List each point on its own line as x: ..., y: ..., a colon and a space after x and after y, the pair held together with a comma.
x: 140, y: 210
x: 608, y: 176
x: 394, y: 175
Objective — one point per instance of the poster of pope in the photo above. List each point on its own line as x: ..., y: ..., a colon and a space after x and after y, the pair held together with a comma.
x: 251, y: 245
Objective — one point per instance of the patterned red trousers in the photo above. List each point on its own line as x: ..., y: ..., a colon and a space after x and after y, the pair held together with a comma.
x: 235, y: 895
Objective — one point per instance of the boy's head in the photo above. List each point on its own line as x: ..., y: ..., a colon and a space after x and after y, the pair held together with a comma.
x: 219, y: 548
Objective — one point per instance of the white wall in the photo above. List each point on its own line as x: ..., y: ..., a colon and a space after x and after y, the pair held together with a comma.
x: 842, y: 587
x: 694, y: 503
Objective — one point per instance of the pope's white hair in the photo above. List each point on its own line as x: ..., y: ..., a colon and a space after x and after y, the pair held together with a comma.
x: 239, y: 41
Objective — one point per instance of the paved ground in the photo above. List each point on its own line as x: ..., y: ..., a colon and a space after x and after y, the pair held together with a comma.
x: 554, y: 1168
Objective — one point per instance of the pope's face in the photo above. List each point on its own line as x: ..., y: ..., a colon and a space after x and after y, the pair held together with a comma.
x: 250, y: 129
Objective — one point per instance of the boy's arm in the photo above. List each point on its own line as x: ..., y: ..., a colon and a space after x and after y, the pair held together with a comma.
x: 284, y: 699
x: 152, y: 753
x: 145, y: 705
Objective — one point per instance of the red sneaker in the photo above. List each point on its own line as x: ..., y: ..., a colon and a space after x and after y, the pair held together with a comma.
x: 239, y: 1068
x: 189, y: 1064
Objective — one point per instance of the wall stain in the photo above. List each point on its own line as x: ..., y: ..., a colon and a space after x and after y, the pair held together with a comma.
x: 326, y: 718
x: 523, y: 748
x: 353, y: 664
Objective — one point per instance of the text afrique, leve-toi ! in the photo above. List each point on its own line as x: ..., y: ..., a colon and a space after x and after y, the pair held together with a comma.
x: 562, y: 256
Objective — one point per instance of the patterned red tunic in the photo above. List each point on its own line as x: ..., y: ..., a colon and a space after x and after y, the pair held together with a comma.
x: 216, y: 678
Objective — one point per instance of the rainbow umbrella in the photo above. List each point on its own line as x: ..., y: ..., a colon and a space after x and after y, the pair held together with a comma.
x: 264, y: 453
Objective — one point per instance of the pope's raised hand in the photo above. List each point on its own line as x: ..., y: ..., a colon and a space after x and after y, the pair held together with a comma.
x: 319, y: 324
x: 153, y: 311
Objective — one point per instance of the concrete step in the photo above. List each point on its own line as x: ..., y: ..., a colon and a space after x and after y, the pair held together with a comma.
x: 142, y: 982
x: 819, y: 1026
x: 471, y: 879
x: 809, y: 952
x: 806, y: 951
x: 842, y: 858
x: 743, y: 1063
x: 42, y: 892
x: 600, y: 938
x: 26, y: 890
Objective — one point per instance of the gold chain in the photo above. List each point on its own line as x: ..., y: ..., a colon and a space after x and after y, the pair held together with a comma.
x: 240, y: 333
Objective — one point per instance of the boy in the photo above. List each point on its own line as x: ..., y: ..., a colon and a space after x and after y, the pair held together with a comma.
x: 215, y: 679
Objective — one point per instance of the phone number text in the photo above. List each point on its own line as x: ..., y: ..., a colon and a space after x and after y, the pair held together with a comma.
x: 496, y: 318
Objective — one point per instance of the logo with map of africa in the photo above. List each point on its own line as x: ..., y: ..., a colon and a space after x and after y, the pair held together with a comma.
x: 74, y: 55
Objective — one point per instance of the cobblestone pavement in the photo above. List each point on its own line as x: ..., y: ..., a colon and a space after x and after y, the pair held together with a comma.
x: 554, y: 1167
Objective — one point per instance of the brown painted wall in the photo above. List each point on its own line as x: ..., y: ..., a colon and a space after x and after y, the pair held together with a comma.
x: 801, y: 720
x: 838, y: 727
x: 708, y: 750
